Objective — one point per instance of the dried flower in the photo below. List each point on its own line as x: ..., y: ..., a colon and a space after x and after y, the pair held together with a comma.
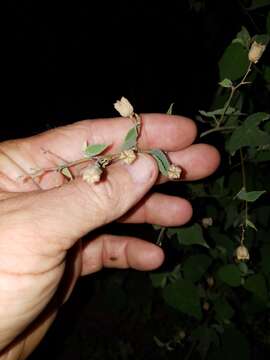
x: 210, y: 281
x: 242, y: 253
x: 128, y: 156
x: 206, y: 306
x: 124, y: 107
x: 206, y: 222
x: 174, y: 172
x: 92, y: 174
x: 255, y: 52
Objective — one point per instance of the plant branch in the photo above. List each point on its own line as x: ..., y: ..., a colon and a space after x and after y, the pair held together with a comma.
x: 220, y: 128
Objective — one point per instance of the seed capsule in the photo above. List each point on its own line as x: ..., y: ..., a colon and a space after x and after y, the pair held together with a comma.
x: 242, y: 253
x: 128, y: 156
x: 255, y: 52
x: 174, y: 172
x: 92, y: 174
x: 124, y: 107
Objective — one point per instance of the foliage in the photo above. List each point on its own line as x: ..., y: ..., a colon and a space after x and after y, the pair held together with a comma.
x: 204, y: 303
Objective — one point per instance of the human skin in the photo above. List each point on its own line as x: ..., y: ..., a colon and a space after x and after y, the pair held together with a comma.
x: 42, y: 222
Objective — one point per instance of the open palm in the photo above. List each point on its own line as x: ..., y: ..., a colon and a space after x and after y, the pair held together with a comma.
x: 41, y: 256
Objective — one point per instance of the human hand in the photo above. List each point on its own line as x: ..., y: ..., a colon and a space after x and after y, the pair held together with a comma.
x: 41, y: 256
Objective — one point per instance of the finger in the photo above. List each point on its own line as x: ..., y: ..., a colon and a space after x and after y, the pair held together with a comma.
x: 167, y: 132
x: 120, y: 252
x: 160, y: 209
x: 57, y: 218
x: 197, y: 162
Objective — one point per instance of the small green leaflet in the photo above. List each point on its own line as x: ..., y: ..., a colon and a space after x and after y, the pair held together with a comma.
x: 66, y: 172
x: 234, y: 62
x: 250, y: 224
x: 243, y: 38
x: 250, y: 196
x: 230, y: 274
x: 161, y: 159
x: 226, y: 83
x: 257, y: 285
x: 212, y: 114
x: 94, y: 150
x: 183, y: 295
x: 170, y: 110
x: 196, y: 266
x: 191, y: 235
x: 130, y: 139
x: 249, y: 134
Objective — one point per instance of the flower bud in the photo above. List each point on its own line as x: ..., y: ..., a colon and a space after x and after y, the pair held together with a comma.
x: 242, y: 253
x: 206, y: 222
x: 92, y: 174
x: 124, y: 107
x: 255, y: 52
x: 174, y: 172
x: 128, y: 156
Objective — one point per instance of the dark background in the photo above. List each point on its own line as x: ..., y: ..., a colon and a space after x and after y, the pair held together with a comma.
x: 71, y: 61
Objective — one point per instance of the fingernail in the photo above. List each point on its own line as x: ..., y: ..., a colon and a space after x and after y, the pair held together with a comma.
x: 141, y: 170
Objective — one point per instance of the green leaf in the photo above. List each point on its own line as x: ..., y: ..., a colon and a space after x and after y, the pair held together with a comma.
x: 223, y: 310
x: 265, y: 256
x: 196, y: 266
x: 250, y: 196
x: 234, y: 62
x: 243, y: 38
x: 249, y: 134
x: 226, y: 83
x: 204, y: 336
x: 191, y: 235
x: 230, y: 274
x: 161, y: 159
x: 250, y: 224
x: 130, y: 139
x: 159, y: 279
x: 183, y: 296
x: 212, y: 114
x: 170, y: 110
x: 257, y: 285
x: 94, y: 150
x: 234, y: 345
x: 262, y: 39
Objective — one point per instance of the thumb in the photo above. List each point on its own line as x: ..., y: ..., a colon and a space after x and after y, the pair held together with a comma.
x: 64, y: 214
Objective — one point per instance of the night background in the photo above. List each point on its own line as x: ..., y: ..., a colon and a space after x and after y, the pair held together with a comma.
x: 71, y: 61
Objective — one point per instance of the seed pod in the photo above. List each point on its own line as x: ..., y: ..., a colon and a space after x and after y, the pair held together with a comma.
x: 174, y: 172
x: 128, y: 156
x: 92, y: 174
x: 210, y: 281
x: 206, y: 306
x: 124, y: 107
x: 255, y: 52
x: 242, y: 253
x: 206, y: 222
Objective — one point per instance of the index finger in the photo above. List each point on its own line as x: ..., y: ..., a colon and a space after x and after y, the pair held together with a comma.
x: 167, y: 132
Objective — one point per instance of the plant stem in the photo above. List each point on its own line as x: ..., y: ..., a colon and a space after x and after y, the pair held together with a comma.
x: 160, y: 236
x: 233, y: 90
x: 244, y: 185
x: 219, y: 128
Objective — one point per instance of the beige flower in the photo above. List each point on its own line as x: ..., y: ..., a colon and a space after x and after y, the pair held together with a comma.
x: 174, y: 172
x: 242, y: 253
x: 206, y: 222
x: 255, y: 52
x: 124, y: 107
x: 128, y: 156
x: 92, y: 174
